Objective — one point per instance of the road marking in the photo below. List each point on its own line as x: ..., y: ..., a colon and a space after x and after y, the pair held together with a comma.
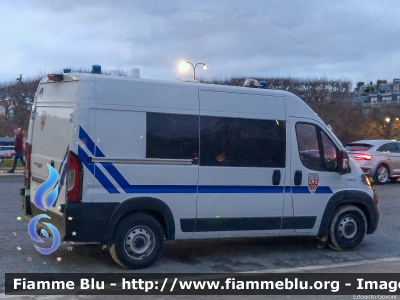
x: 3, y: 296
x: 337, y: 265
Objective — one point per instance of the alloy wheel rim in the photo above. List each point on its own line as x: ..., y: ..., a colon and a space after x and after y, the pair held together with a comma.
x: 383, y: 174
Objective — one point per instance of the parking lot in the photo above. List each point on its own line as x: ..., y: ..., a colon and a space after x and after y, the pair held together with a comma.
x: 228, y: 255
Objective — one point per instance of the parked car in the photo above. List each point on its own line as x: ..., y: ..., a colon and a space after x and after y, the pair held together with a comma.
x: 7, y: 151
x: 379, y: 159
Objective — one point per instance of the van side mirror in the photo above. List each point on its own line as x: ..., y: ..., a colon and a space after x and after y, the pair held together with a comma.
x: 343, y: 164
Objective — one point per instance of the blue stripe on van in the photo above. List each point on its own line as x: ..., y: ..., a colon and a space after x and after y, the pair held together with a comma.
x: 304, y: 190
x: 244, y: 189
x: 98, y: 174
x: 84, y: 137
x: 117, y: 176
x: 161, y: 189
x: 175, y: 189
x: 63, y: 172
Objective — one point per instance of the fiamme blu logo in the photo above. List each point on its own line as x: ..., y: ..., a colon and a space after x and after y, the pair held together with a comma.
x: 44, y: 203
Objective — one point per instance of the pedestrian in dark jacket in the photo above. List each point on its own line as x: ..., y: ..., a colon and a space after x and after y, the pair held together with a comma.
x: 18, y: 148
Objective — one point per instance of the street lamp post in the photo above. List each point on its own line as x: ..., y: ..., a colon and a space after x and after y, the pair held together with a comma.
x: 388, y: 127
x: 194, y: 67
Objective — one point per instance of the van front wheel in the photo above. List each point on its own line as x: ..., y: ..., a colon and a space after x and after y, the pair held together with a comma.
x: 348, y: 228
x: 139, y: 242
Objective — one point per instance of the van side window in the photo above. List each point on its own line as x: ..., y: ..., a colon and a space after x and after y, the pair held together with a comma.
x: 172, y: 136
x: 317, y: 151
x: 238, y: 142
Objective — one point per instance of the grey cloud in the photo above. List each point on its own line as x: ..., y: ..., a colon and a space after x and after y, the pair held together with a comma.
x: 355, y: 39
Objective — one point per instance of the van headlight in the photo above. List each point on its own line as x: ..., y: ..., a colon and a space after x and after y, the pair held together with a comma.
x: 366, y: 180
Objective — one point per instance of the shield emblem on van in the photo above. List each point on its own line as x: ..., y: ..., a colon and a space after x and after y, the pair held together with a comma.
x: 43, y: 120
x: 313, y: 181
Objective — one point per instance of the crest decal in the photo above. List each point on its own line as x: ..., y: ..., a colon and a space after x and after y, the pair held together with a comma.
x: 313, y: 181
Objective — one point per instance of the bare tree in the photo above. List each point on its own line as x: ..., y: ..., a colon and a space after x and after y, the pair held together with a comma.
x: 16, y: 100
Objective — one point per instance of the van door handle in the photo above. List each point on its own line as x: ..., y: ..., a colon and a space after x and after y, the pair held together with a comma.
x: 276, y: 177
x: 298, y: 177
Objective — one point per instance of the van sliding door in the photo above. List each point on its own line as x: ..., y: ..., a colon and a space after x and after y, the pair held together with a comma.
x: 242, y: 165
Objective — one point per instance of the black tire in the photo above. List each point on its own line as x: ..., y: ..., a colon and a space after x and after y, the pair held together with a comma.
x: 382, y: 174
x: 138, y: 243
x: 348, y: 228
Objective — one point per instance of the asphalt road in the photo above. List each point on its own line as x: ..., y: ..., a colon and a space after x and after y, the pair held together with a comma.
x: 17, y: 253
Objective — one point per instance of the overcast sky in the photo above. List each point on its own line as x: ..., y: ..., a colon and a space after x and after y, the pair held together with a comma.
x: 357, y: 40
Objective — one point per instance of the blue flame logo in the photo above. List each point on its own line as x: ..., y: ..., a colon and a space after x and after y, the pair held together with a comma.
x: 44, y: 204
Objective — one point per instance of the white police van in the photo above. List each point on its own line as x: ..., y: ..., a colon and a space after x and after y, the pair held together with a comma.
x: 144, y: 161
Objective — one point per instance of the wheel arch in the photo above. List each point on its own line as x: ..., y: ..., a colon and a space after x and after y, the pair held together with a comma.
x: 359, y: 199
x: 154, y: 207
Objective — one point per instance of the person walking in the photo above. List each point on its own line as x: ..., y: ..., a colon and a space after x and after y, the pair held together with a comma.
x: 18, y: 148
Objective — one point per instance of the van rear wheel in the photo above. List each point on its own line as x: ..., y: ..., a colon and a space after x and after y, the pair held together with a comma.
x: 348, y: 228
x: 139, y: 242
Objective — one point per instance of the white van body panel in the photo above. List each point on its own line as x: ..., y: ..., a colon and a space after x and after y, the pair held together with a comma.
x: 51, y: 131
x: 305, y: 202
x: 118, y: 128
x: 239, y: 204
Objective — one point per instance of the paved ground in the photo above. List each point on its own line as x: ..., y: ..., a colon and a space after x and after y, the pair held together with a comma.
x: 232, y: 255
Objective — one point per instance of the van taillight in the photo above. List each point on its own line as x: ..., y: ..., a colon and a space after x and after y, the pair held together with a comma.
x: 74, y: 178
x: 28, y: 172
x: 56, y: 77
x: 363, y: 156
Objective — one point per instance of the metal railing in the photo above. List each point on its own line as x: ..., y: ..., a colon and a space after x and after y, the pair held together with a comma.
x: 7, y: 163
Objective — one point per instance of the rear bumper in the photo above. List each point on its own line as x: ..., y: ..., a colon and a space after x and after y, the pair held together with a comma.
x: 30, y: 211
x: 366, y: 166
x: 80, y: 222
x: 367, y: 169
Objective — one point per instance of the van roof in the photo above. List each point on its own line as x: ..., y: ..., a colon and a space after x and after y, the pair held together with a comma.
x: 294, y: 105
x: 197, y: 85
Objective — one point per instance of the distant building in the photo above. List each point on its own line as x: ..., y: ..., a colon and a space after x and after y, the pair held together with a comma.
x: 382, y: 92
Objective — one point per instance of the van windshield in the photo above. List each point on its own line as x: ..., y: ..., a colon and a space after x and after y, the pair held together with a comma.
x: 358, y: 147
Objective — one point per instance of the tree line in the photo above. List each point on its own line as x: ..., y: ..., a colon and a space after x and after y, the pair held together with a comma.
x: 329, y: 98
x: 332, y: 101
x: 16, y: 99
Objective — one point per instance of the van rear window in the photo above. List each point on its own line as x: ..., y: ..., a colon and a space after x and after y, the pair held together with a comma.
x: 358, y: 147
x: 172, y: 136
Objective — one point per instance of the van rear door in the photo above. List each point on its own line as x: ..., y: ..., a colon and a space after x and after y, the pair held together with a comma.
x: 51, y: 133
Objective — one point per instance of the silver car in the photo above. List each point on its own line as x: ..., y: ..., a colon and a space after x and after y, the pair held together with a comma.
x: 6, y: 151
x: 379, y: 159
